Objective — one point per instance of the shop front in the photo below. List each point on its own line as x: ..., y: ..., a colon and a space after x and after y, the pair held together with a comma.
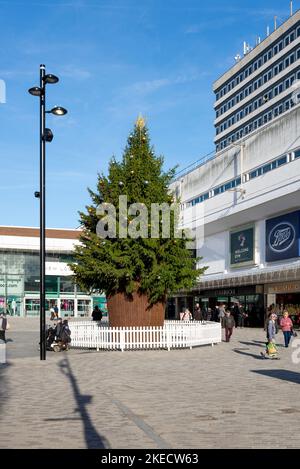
x: 250, y: 297
x: 11, y: 294
x: 284, y: 296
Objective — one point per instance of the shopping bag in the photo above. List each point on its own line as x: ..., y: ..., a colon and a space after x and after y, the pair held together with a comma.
x: 271, y: 349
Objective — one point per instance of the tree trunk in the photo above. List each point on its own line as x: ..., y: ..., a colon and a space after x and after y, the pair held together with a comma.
x: 134, y: 312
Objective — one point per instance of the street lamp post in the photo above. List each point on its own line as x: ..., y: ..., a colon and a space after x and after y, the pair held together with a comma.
x: 45, y: 136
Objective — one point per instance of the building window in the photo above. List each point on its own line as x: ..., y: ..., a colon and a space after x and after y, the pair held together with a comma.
x: 282, y: 160
x: 267, y: 168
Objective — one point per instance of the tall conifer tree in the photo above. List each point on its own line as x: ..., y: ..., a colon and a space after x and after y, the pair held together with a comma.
x: 152, y: 267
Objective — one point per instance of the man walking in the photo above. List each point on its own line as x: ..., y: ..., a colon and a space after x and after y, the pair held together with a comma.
x: 229, y: 324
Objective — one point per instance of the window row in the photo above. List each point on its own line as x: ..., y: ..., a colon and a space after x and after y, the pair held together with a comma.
x: 258, y: 102
x: 262, y: 80
x: 255, y: 65
x: 271, y: 165
x: 254, y: 124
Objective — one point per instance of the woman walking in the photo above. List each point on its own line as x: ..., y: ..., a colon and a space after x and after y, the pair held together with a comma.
x: 271, y: 349
x: 286, y: 325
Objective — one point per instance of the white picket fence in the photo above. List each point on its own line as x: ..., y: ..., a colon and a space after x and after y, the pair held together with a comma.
x: 174, y: 334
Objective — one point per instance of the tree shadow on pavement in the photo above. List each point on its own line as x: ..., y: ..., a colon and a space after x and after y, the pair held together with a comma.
x: 92, y: 437
x: 285, y: 375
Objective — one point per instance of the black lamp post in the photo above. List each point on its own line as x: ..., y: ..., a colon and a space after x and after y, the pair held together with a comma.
x: 46, y: 135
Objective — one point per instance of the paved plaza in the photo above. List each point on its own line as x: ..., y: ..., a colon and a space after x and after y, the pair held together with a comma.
x: 224, y: 396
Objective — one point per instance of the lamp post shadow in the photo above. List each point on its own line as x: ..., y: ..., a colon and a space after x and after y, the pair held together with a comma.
x: 92, y: 438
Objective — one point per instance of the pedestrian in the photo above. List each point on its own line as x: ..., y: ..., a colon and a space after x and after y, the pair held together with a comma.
x: 56, y: 311
x: 58, y: 328
x: 221, y: 314
x: 240, y: 315
x: 216, y: 314
x: 97, y: 314
x: 229, y: 324
x: 198, y: 313
x: 3, y: 326
x: 271, y: 349
x: 52, y: 314
x: 204, y: 313
x: 286, y: 325
x: 187, y: 315
x: 235, y: 313
x: 65, y: 334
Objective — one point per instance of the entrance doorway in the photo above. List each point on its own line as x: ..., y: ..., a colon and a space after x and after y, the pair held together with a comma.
x: 66, y: 307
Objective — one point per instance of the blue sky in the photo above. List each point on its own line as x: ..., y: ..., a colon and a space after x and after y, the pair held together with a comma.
x: 115, y: 59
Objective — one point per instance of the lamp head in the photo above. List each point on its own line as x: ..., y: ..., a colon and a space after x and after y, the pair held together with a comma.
x: 35, y: 91
x: 51, y: 79
x: 58, y: 111
x: 48, y: 135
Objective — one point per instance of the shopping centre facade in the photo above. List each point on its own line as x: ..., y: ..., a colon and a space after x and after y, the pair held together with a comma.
x: 19, y: 273
x: 243, y: 202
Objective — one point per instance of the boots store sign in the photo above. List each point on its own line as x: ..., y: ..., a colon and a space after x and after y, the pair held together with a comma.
x: 282, y: 237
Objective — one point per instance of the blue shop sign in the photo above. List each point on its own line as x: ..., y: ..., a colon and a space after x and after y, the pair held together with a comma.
x: 282, y: 237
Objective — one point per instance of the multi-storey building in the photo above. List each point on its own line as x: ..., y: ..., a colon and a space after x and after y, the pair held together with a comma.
x: 247, y: 194
x: 260, y: 86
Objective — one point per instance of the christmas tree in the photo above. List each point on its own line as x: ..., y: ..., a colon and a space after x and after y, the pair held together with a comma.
x: 136, y: 258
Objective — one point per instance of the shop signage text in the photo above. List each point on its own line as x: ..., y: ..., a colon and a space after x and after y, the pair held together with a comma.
x: 282, y: 237
x: 290, y: 287
x: 242, y: 247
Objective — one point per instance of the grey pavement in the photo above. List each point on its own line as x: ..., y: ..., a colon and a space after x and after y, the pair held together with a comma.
x: 225, y: 396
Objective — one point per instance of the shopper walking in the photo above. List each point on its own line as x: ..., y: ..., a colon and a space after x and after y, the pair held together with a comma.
x: 286, y: 325
x: 221, y: 315
x: 271, y: 349
x: 187, y: 315
x: 229, y: 324
x: 97, y: 314
x: 56, y: 311
x: 198, y: 313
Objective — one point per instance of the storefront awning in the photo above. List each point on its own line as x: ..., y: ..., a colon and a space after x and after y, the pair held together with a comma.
x: 254, y: 276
